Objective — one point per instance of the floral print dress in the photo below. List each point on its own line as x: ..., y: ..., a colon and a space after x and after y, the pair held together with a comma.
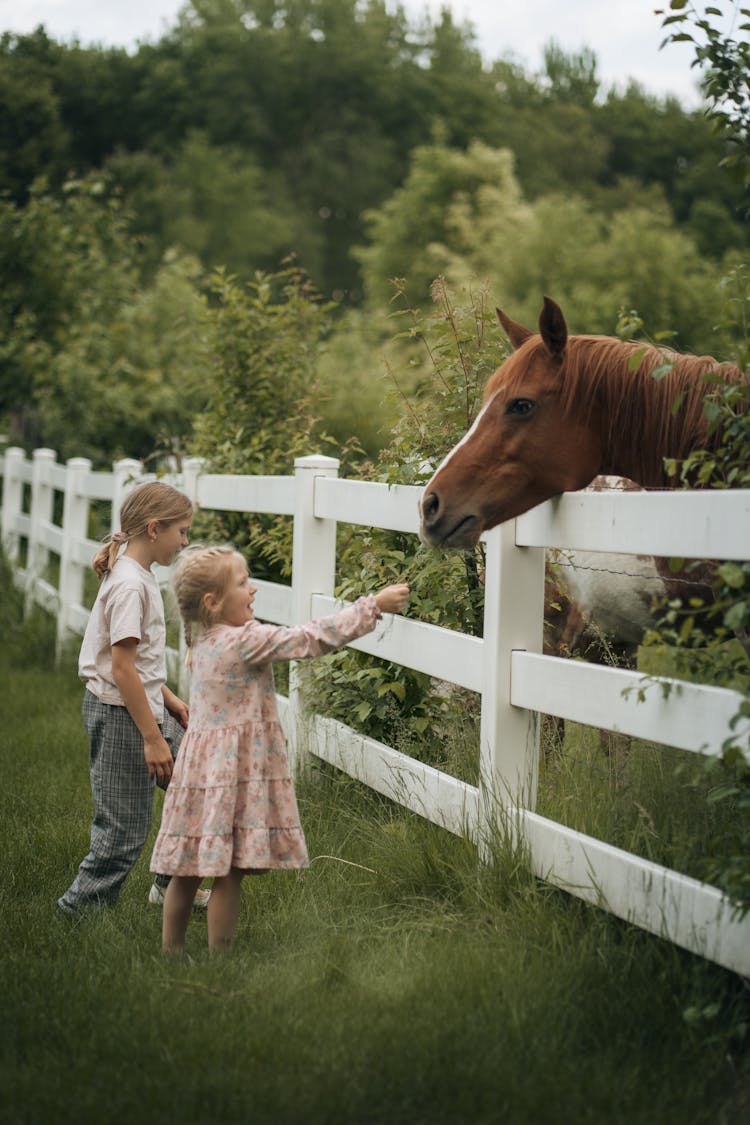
x: 231, y: 800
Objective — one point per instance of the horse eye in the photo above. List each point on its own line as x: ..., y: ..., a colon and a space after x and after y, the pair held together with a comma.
x: 521, y: 406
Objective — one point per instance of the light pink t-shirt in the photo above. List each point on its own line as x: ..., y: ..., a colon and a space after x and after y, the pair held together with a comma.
x: 129, y: 604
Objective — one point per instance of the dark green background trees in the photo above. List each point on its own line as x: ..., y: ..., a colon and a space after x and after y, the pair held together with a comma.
x: 365, y: 146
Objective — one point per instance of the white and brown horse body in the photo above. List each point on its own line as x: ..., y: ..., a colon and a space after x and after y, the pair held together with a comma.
x: 602, y: 593
x: 559, y: 413
x: 611, y: 594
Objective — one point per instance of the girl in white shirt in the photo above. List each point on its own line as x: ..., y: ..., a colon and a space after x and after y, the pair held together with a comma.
x: 134, y: 721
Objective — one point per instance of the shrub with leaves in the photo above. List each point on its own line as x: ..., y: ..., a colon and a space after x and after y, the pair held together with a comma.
x: 452, y: 348
x: 262, y: 341
x: 709, y: 637
x: 724, y: 63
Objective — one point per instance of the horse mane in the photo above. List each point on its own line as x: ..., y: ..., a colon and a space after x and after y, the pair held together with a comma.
x: 645, y: 419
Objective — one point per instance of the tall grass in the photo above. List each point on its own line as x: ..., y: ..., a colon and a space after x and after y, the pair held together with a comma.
x: 409, y: 984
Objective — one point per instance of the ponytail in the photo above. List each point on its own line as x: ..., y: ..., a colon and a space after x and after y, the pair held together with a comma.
x: 104, y: 559
x: 153, y: 500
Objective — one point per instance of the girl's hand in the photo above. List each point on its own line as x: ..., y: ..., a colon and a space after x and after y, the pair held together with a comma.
x: 177, y: 708
x: 158, y: 758
x: 393, y: 598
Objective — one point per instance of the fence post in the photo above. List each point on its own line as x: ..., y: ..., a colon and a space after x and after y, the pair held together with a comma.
x: 313, y: 566
x: 75, y: 524
x: 191, y: 470
x: 12, y: 501
x: 126, y: 475
x: 40, y: 516
x: 513, y: 619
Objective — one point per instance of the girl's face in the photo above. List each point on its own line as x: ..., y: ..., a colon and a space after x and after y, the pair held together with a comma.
x: 169, y: 539
x: 236, y: 606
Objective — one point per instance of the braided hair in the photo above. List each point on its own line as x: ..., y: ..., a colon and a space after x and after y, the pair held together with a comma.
x: 201, y: 570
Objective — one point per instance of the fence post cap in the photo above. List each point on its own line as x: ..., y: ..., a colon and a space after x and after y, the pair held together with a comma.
x: 316, y: 461
x: 78, y: 462
x: 44, y: 455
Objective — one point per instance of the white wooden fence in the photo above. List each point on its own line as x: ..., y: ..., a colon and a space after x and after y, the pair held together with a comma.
x: 515, y: 681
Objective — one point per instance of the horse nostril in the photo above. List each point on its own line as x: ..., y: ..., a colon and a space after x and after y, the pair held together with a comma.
x: 430, y: 507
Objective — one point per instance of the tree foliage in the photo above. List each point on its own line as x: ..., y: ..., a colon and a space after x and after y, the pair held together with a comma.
x: 464, y: 213
x: 261, y: 360
x: 707, y: 635
x: 724, y: 62
x: 455, y: 347
x: 253, y: 127
x: 93, y: 362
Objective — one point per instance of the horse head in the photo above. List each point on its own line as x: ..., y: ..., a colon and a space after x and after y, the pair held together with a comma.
x: 523, y: 447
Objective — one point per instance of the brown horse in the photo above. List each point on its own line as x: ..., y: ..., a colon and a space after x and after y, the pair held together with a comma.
x: 558, y: 412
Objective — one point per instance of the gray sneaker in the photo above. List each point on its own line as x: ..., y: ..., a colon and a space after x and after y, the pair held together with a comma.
x: 200, y: 902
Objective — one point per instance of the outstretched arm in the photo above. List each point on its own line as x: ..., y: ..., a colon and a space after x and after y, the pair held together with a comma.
x: 264, y: 643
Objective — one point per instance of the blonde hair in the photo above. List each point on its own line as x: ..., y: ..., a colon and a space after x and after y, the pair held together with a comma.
x: 201, y: 570
x: 151, y: 501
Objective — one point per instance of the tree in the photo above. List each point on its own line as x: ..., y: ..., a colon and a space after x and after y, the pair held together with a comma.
x: 462, y: 214
x: 725, y: 65
x: 253, y: 127
x: 213, y: 202
x: 92, y: 361
x: 131, y: 376
x: 571, y: 77
x: 33, y: 137
x: 407, y: 234
x: 262, y: 353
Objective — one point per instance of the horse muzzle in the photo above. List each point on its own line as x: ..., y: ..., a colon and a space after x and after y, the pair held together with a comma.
x: 442, y: 529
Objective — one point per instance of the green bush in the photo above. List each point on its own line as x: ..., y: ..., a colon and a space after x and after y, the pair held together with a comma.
x: 448, y: 354
x: 703, y: 635
x: 262, y: 347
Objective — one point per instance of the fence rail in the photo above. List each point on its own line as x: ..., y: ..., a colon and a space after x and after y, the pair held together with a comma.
x: 506, y: 667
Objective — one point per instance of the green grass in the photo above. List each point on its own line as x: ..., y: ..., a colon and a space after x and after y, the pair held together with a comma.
x: 418, y: 987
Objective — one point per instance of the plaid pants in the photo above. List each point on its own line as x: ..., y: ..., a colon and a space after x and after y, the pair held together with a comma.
x: 123, y: 795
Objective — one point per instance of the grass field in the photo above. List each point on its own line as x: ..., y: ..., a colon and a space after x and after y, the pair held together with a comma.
x: 419, y: 987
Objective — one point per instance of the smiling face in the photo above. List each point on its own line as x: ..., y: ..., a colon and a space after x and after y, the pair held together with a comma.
x: 235, y: 606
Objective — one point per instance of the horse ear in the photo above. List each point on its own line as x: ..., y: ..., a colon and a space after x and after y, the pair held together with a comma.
x: 516, y: 333
x: 553, y: 328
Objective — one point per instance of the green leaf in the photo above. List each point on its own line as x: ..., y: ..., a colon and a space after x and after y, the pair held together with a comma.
x: 635, y: 359
x: 395, y: 688
x: 722, y: 792
x: 663, y: 369
x: 734, y: 618
x: 732, y: 574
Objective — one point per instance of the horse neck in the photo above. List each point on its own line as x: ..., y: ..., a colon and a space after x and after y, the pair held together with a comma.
x: 639, y: 425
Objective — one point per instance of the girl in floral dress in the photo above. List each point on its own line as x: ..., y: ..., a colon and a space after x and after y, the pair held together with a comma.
x: 230, y: 809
